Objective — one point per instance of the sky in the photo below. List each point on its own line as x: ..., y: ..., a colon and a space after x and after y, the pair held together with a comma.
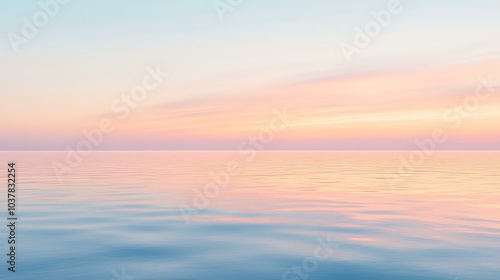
x: 345, y: 75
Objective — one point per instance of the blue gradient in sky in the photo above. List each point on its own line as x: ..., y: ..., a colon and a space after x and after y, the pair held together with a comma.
x: 91, y: 51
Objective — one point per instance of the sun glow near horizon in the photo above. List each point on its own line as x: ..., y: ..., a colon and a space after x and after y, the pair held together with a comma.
x: 226, y: 78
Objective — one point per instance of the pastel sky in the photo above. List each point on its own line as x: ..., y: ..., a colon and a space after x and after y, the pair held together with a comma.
x: 434, y: 66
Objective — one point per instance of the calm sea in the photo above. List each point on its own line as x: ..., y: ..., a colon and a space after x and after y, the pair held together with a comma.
x: 281, y: 215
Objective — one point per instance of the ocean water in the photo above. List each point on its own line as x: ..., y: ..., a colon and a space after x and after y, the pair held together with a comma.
x: 284, y: 215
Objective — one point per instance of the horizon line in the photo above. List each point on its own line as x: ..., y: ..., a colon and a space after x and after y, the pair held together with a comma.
x: 265, y: 150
